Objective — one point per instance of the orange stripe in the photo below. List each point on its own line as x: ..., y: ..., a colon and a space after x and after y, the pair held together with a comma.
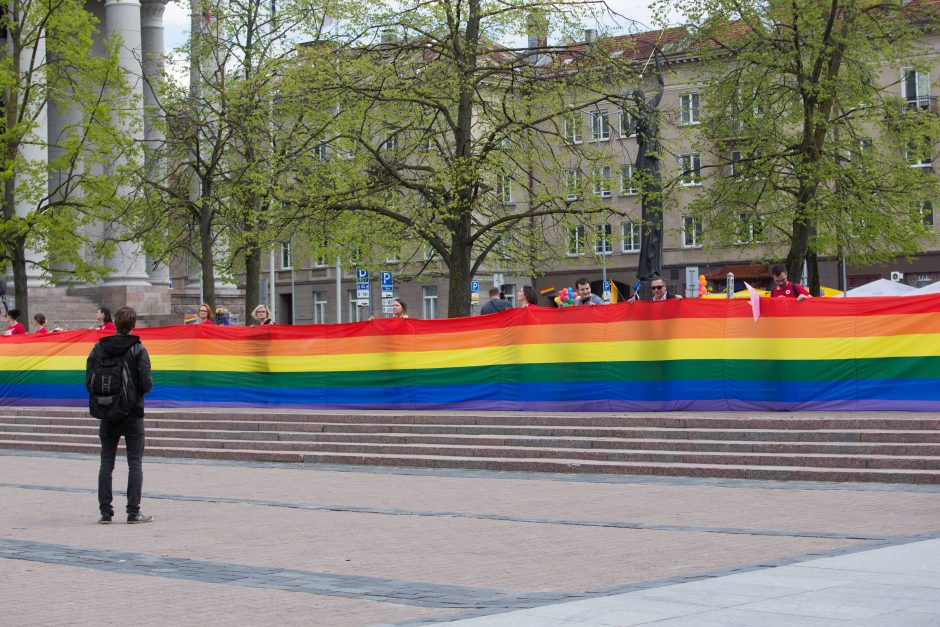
x: 687, y: 328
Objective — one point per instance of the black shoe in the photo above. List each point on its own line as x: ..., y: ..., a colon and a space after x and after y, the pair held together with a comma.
x: 133, y: 519
x: 105, y: 519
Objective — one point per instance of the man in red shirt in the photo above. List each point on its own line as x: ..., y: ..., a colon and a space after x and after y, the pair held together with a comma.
x: 786, y: 289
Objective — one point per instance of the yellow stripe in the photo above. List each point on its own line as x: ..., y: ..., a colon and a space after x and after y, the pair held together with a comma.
x: 650, y: 350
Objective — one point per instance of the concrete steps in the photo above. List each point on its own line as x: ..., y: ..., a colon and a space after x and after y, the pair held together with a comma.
x: 69, y: 311
x: 892, y: 448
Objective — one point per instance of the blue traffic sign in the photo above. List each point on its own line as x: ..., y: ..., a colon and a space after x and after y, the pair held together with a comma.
x: 387, y: 282
x: 474, y: 286
x: 606, y: 286
x: 362, y: 274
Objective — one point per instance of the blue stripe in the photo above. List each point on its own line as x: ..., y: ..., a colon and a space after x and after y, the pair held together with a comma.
x: 641, y: 391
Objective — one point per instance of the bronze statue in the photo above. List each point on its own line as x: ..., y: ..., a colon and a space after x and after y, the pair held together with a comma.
x: 647, y: 168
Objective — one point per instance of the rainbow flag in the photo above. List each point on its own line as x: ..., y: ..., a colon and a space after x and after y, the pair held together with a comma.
x: 693, y: 354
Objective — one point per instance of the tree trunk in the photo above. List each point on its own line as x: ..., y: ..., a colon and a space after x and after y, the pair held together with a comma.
x: 812, y: 262
x: 208, y: 258
x: 798, y: 246
x: 799, y: 242
x: 458, y: 305
x: 253, y: 281
x: 20, y: 289
x: 459, y: 264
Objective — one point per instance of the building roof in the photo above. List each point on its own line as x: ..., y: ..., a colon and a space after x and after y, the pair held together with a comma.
x: 750, y: 271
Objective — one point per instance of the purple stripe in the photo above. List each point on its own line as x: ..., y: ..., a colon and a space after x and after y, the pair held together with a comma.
x: 594, y: 406
x: 15, y: 401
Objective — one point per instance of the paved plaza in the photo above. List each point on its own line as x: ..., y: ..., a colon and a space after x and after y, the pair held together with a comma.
x: 257, y: 544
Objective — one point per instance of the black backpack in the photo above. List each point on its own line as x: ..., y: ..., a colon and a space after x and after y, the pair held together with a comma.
x: 113, y: 387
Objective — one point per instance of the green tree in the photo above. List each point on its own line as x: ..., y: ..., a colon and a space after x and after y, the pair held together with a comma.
x: 230, y: 143
x: 55, y: 187
x: 454, y: 141
x: 812, y: 144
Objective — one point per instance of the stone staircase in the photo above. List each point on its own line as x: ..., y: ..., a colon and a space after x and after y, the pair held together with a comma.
x: 68, y: 311
x: 889, y: 448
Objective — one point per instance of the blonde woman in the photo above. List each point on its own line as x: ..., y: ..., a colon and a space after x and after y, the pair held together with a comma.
x: 262, y: 315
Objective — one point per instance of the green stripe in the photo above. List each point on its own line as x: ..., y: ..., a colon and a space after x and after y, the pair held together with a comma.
x: 688, y: 370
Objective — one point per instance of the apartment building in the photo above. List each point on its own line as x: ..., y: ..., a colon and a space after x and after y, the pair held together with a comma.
x: 322, y: 291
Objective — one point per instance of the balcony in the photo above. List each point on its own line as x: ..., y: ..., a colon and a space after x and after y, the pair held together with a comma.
x: 923, y: 103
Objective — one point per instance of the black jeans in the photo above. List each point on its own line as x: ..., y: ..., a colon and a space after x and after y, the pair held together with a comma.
x: 110, y: 434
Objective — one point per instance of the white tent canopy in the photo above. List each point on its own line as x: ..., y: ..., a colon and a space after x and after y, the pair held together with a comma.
x: 933, y: 288
x: 883, y: 287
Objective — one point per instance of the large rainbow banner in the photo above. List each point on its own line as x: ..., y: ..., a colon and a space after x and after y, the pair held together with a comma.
x: 820, y: 354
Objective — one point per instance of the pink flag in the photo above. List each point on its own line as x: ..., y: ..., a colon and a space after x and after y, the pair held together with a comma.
x: 754, y: 300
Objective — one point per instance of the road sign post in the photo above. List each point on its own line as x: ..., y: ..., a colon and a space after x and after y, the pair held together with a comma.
x: 388, y: 293
x: 362, y: 287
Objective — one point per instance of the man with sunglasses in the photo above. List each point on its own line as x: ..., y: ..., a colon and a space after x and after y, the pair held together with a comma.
x: 658, y: 290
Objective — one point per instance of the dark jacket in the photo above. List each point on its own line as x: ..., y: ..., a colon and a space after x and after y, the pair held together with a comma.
x: 132, y: 349
x: 495, y: 305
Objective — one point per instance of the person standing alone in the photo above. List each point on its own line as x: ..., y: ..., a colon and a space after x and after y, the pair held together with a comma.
x: 117, y: 375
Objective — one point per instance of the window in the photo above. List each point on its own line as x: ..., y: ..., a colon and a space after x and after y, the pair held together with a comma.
x: 602, y: 181
x: 691, y: 232
x: 429, y: 293
x: 736, y: 168
x: 576, y: 241
x: 320, y: 150
x: 627, y: 184
x: 429, y: 252
x: 627, y: 123
x: 915, y: 88
x: 602, y: 243
x: 319, y: 308
x: 689, y: 109
x: 356, y: 313
x: 750, y: 228
x: 691, y: 165
x: 285, y: 256
x: 859, y: 151
x: 390, y: 144
x: 573, y: 184
x: 927, y: 211
x: 503, y: 246
x: 509, y: 291
x: 321, y: 262
x: 572, y: 124
x: 919, y: 153
x: 631, y: 237
x: 600, y: 125
x: 504, y: 189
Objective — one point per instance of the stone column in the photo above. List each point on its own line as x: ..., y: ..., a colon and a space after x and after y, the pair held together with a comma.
x: 152, y: 42
x: 34, y: 150
x: 123, y: 18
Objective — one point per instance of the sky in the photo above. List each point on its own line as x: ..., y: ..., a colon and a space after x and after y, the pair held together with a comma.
x: 176, y: 18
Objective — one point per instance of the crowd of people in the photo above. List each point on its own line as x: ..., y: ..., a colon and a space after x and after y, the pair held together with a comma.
x: 526, y: 296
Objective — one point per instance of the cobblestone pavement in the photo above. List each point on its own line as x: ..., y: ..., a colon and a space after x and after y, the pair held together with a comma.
x: 254, y: 543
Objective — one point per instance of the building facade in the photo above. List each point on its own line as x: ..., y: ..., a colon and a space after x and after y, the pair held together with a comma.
x: 609, y: 248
